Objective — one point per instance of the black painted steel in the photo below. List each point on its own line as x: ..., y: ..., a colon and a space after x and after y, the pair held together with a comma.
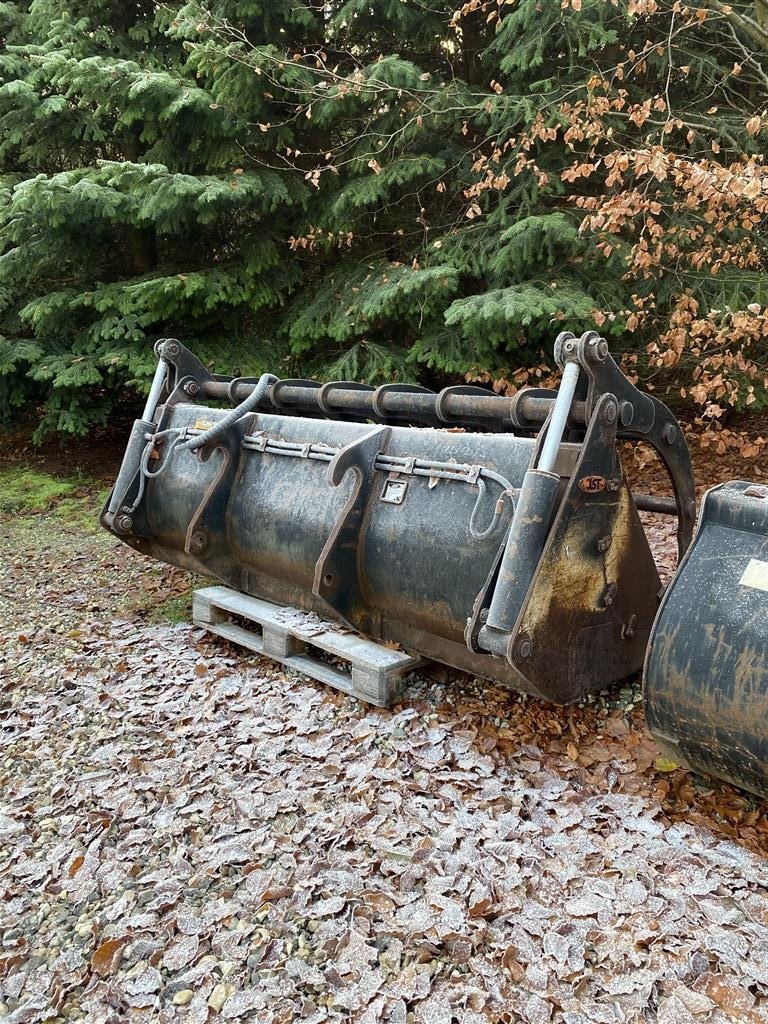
x: 706, y: 673
x: 326, y: 498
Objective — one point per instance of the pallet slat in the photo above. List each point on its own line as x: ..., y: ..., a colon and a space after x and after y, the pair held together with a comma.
x: 292, y: 637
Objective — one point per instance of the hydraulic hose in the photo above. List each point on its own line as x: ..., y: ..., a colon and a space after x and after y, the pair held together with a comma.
x: 508, y: 492
x: 193, y: 443
x: 224, y: 424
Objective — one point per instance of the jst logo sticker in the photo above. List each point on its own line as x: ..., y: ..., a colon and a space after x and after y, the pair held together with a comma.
x: 592, y: 484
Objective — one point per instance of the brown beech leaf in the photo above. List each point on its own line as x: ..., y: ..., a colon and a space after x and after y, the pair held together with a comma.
x: 481, y: 909
x: 106, y: 958
x: 734, y: 998
x: 75, y: 866
x: 379, y: 902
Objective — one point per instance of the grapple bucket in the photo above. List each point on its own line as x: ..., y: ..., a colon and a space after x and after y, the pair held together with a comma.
x: 706, y: 673
x: 496, y: 535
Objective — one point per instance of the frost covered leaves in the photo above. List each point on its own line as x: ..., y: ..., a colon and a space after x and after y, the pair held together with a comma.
x: 187, y: 836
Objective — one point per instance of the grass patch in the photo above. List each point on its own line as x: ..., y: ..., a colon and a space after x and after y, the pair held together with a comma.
x: 82, y: 512
x: 174, y: 610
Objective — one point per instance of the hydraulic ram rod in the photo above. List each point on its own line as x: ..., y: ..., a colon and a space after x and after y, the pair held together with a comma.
x: 560, y: 413
x: 528, y: 532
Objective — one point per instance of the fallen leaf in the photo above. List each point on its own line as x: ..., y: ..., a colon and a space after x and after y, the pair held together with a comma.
x: 75, y: 866
x: 106, y: 958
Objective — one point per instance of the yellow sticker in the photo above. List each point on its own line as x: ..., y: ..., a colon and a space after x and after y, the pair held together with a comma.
x: 755, y: 575
x: 203, y: 424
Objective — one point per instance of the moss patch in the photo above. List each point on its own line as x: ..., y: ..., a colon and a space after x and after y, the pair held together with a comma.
x: 27, y: 494
x: 28, y: 490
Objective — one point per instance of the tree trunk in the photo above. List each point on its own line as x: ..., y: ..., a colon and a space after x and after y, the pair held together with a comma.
x: 471, y: 46
x: 142, y: 241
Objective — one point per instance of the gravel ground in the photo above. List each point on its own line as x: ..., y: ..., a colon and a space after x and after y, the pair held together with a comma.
x: 187, y: 833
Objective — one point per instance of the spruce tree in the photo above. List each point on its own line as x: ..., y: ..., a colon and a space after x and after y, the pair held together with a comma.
x: 453, y: 226
x: 136, y: 202
x: 379, y: 191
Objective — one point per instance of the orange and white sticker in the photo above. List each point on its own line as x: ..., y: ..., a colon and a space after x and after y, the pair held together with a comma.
x: 592, y: 484
x: 203, y: 424
x: 755, y: 575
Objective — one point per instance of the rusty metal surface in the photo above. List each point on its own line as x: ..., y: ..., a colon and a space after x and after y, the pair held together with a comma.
x: 706, y: 672
x: 641, y: 417
x: 399, y: 531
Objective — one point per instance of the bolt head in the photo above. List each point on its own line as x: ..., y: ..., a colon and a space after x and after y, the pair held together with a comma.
x: 609, y: 414
x: 599, y: 348
x: 524, y: 647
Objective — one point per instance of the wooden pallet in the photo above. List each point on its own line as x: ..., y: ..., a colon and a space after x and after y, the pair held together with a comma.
x: 374, y: 674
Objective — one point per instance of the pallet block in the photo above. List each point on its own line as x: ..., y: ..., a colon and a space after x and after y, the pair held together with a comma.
x: 295, y: 638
